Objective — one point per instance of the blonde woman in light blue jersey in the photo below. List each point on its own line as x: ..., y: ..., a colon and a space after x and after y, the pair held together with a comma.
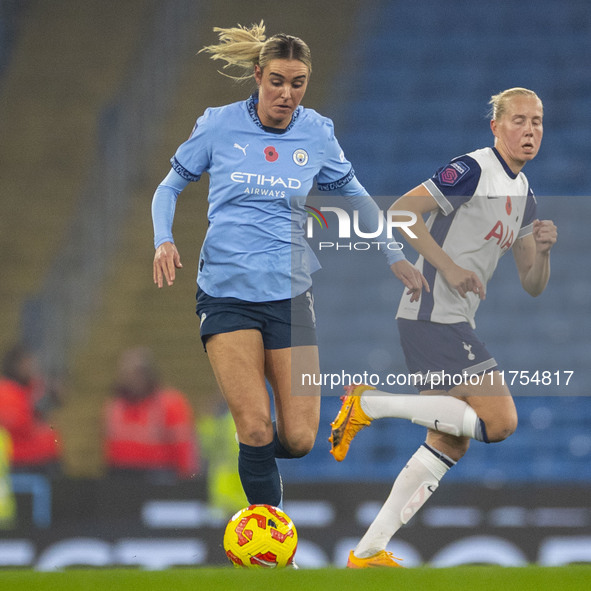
x: 254, y: 301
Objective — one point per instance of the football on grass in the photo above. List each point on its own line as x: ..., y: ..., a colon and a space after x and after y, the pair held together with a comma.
x: 260, y: 536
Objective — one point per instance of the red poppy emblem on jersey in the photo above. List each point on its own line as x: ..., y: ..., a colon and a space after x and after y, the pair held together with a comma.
x: 508, y: 205
x: 271, y: 154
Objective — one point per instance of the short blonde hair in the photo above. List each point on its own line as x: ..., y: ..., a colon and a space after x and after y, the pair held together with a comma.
x: 499, y: 101
x: 245, y: 48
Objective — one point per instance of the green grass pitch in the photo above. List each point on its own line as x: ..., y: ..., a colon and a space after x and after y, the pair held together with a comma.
x: 469, y: 578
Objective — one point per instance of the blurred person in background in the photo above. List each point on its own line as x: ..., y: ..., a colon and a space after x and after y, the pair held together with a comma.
x: 217, y: 436
x: 26, y: 401
x: 149, y: 429
x: 263, y: 156
x: 7, y: 500
x: 480, y: 206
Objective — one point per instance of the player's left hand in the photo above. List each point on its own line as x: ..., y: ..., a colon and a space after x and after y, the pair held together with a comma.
x: 412, y: 278
x: 166, y: 261
x: 545, y: 235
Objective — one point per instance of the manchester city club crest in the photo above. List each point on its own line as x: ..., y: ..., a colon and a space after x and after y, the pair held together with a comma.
x: 300, y: 157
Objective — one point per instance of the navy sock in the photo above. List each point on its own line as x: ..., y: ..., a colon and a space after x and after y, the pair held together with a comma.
x: 259, y: 474
x: 280, y: 450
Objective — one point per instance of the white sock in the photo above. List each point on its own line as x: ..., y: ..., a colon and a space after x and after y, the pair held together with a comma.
x: 415, y: 484
x: 441, y: 413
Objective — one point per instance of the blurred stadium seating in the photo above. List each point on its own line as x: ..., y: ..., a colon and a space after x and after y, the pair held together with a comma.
x: 10, y: 15
x: 419, y: 91
x: 81, y: 111
x: 425, y: 73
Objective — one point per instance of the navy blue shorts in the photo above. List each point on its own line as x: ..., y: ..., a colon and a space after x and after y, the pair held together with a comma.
x: 282, y: 323
x: 441, y: 354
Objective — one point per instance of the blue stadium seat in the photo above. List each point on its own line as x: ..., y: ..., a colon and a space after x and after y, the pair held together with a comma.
x: 420, y: 100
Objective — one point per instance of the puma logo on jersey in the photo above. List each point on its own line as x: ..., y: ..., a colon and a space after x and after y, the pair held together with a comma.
x: 239, y: 147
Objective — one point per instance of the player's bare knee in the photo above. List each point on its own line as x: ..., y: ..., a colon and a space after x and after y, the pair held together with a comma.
x: 301, y: 448
x: 256, y: 433
x: 498, y: 436
x: 300, y: 444
x: 501, y: 431
x: 499, y: 428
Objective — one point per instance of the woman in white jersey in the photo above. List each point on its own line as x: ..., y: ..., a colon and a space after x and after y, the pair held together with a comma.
x: 480, y: 206
x: 254, y: 296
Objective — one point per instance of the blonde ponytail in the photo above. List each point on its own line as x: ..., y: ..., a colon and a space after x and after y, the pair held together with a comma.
x: 244, y: 48
x: 239, y: 47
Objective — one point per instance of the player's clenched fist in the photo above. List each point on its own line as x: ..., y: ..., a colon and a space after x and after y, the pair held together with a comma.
x: 545, y: 235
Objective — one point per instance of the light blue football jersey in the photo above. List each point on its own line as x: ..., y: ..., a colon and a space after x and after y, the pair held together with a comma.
x: 259, y: 178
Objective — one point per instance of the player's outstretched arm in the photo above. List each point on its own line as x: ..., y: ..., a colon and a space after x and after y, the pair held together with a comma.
x: 361, y: 200
x: 166, y: 258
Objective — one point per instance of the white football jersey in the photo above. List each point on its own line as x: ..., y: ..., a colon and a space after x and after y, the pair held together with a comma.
x: 483, y: 208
